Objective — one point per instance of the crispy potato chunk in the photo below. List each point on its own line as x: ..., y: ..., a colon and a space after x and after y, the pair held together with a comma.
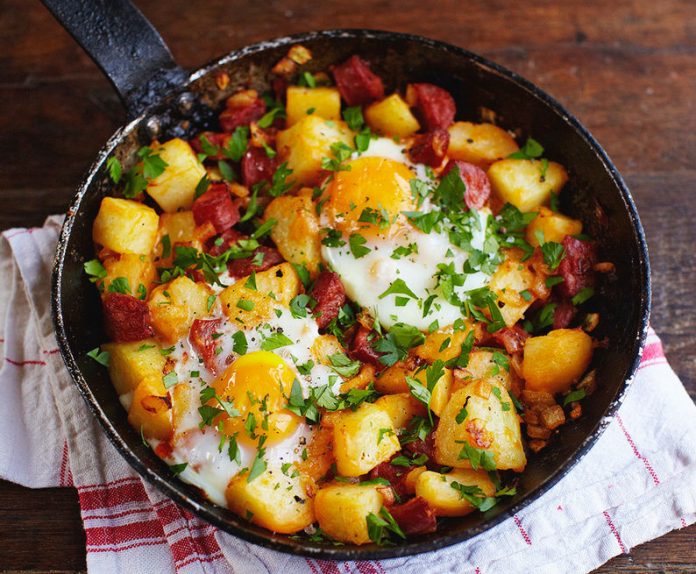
x: 363, y: 438
x: 482, y: 366
x: 441, y: 492
x: 401, y: 408
x: 488, y: 422
x: 175, y: 305
x: 138, y: 270
x: 175, y: 187
x: 508, y: 282
x: 554, y: 227
x: 342, y: 510
x: 444, y: 344
x: 130, y: 363
x: 323, y: 102
x: 125, y: 226
x: 248, y: 307
x: 274, y: 500
x: 150, y: 410
x: 392, y: 117
x: 523, y: 182
x: 552, y: 363
x: 306, y: 143
x: 296, y: 232
x: 393, y: 381
x: 480, y: 144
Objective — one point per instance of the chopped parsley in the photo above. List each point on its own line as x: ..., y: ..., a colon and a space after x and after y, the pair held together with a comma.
x: 101, y: 357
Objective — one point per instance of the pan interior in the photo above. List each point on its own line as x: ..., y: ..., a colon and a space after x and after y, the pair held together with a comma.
x: 594, y: 189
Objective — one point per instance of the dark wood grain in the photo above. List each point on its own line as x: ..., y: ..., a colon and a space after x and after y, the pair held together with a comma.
x: 628, y: 71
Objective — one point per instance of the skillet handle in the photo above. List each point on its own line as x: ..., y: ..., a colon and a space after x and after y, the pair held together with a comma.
x: 125, y: 45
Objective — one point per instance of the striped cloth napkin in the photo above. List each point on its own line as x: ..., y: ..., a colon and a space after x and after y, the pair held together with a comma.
x: 637, y: 483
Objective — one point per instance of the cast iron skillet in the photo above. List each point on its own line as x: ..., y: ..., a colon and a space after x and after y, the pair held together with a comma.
x: 165, y: 101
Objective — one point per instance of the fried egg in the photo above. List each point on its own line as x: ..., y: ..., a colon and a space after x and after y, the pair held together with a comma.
x: 387, y: 265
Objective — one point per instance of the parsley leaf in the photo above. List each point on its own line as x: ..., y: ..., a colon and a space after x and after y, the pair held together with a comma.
x: 102, y: 357
x: 115, y: 169
x: 239, y: 343
x: 477, y: 457
x: 530, y: 150
x: 574, y: 396
x: 353, y: 116
x: 343, y: 365
x: 398, y: 287
x: 275, y: 341
x: 237, y: 143
x: 583, y: 295
x: 95, y: 270
x: 396, y: 343
x: 357, y: 245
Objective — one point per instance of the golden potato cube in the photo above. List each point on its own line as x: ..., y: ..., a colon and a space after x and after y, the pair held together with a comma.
x: 446, y: 499
x: 412, y: 478
x: 444, y: 344
x: 392, y: 117
x: 508, y: 282
x: 130, y: 363
x: 180, y: 226
x: 489, y: 423
x: 323, y: 347
x: 150, y: 411
x: 175, y: 187
x: 183, y: 397
x: 401, y: 408
x: 553, y: 226
x: 305, y: 144
x: 552, y: 363
x: 125, y: 226
x: 273, y: 500
x: 342, y: 511
x: 523, y: 183
x: 322, y: 102
x: 248, y: 307
x: 175, y: 305
x: 393, y: 381
x: 482, y: 366
x: 137, y: 269
x: 480, y: 144
x: 297, y: 230
x: 362, y: 439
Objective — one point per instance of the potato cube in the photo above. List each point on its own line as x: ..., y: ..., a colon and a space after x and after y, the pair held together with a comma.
x: 482, y: 366
x: 322, y: 102
x: 248, y: 307
x: 510, y: 280
x: 130, y: 363
x: 523, y: 183
x: 552, y: 363
x: 274, y: 500
x: 444, y: 344
x: 553, y: 227
x: 125, y: 226
x: 401, y: 408
x: 480, y: 144
x: 175, y: 187
x: 323, y: 347
x: 184, y: 416
x: 362, y: 439
x: 342, y: 511
x: 487, y: 421
x: 175, y: 305
x: 412, y: 478
x: 392, y: 117
x: 138, y: 270
x: 305, y: 144
x: 297, y: 230
x: 444, y: 491
x: 393, y: 380
x: 150, y: 411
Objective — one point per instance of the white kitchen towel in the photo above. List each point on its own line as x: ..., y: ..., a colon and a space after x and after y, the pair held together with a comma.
x: 637, y: 483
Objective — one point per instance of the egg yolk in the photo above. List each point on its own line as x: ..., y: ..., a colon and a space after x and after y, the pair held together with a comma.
x: 377, y: 183
x: 257, y: 384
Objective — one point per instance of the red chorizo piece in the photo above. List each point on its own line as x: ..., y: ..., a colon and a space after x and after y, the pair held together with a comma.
x: 576, y: 266
x: 361, y: 348
x: 396, y: 475
x: 330, y: 296
x: 218, y: 245
x: 434, y: 105
x: 415, y: 516
x: 418, y: 447
x: 257, y: 166
x: 512, y: 338
x: 429, y: 148
x: 244, y: 267
x: 216, y: 139
x: 357, y: 83
x: 242, y: 109
x: 216, y: 206
x: 478, y: 186
x: 126, y: 318
x: 201, y: 337
x: 563, y: 314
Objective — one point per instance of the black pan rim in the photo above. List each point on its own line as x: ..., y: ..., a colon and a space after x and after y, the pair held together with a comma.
x: 173, y: 488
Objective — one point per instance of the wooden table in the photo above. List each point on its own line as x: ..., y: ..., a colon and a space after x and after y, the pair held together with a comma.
x: 628, y: 72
